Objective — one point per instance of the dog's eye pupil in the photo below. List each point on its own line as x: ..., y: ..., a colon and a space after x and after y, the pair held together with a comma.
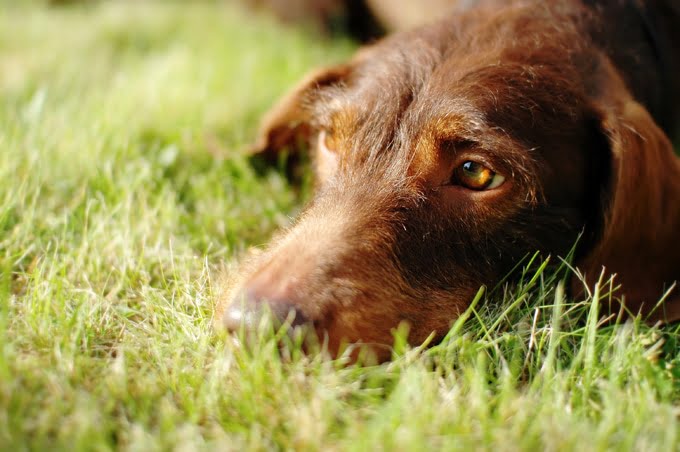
x: 476, y: 176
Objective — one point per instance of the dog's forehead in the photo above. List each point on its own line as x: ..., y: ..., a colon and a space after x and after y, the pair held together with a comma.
x: 409, y: 87
x: 398, y: 98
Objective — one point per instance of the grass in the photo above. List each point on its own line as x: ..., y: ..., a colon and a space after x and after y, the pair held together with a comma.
x: 122, y: 193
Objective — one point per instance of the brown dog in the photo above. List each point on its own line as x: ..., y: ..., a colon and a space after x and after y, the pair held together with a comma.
x: 446, y: 154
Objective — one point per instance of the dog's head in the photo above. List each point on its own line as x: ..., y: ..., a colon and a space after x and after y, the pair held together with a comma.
x: 443, y: 157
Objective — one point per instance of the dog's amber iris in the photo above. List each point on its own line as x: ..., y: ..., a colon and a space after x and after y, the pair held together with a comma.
x: 476, y: 176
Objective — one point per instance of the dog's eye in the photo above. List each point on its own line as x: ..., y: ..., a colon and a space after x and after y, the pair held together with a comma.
x: 327, y: 141
x: 476, y: 176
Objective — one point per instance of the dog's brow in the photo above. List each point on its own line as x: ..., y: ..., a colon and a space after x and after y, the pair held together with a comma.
x: 454, y: 126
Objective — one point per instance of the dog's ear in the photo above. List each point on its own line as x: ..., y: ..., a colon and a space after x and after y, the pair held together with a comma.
x: 640, y: 231
x: 287, y: 128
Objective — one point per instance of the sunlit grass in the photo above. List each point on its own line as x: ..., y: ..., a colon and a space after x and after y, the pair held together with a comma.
x: 122, y: 192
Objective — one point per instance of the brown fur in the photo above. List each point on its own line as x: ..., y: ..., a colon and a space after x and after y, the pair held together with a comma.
x: 547, y: 93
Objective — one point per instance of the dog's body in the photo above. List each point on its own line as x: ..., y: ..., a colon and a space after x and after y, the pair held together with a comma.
x: 447, y: 153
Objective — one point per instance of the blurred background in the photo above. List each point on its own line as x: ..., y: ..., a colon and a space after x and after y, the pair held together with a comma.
x: 363, y: 19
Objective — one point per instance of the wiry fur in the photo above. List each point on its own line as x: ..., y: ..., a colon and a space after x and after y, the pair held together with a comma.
x: 545, y: 93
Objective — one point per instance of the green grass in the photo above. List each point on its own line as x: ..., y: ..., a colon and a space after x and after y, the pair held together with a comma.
x: 123, y: 193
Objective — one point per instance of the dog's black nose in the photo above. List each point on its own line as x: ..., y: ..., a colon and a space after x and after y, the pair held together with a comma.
x: 247, y: 311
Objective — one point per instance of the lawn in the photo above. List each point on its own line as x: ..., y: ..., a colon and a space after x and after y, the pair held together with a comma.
x: 123, y: 198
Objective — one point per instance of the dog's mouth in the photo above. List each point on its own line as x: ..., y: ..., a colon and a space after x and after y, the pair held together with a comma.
x: 362, y: 327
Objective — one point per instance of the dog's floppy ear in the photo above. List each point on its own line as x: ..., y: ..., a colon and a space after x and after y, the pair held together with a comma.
x: 640, y: 237
x: 287, y: 126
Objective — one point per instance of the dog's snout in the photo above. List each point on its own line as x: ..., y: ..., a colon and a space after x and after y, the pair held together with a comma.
x: 248, y: 309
